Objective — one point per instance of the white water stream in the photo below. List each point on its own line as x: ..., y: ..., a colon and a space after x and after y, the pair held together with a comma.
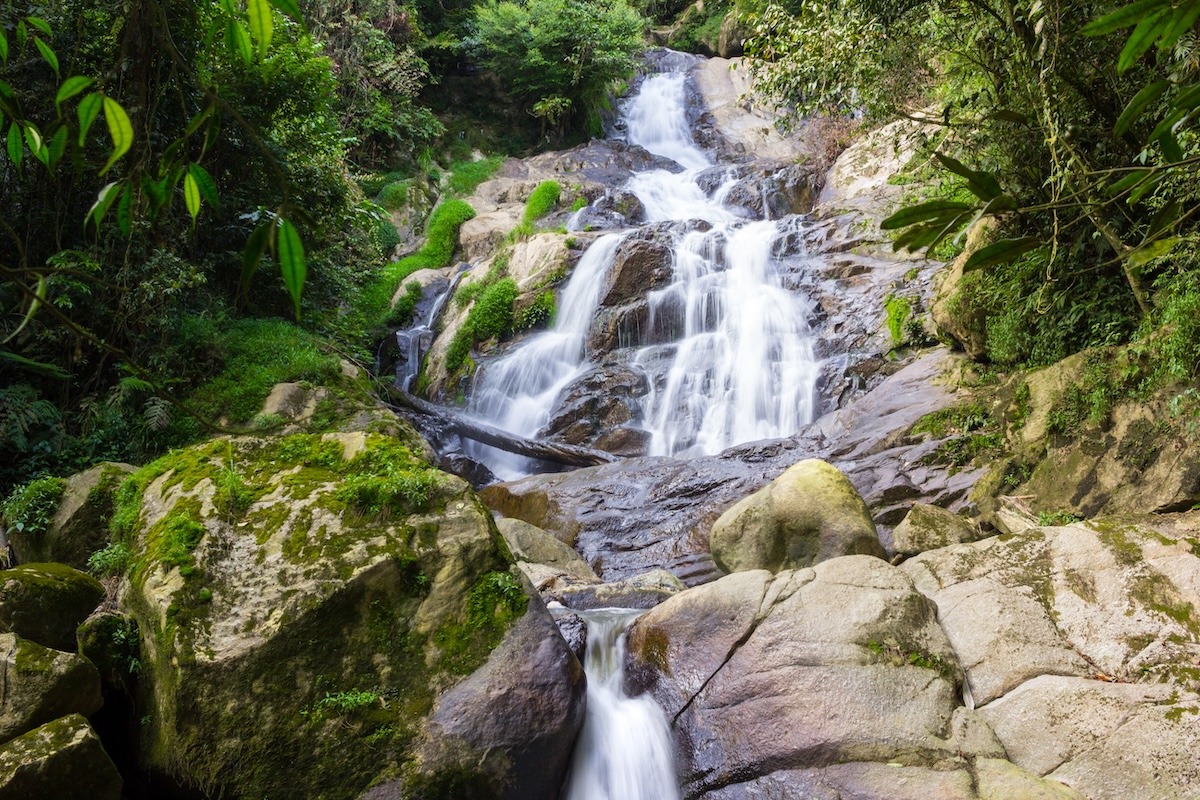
x: 624, y: 750
x: 739, y: 366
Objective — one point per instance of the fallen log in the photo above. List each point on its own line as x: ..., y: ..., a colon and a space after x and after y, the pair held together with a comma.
x: 568, y: 455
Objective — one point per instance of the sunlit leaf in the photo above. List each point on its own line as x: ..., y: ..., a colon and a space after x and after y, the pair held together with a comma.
x: 290, y: 252
x: 70, y: 87
x: 1123, y: 17
x: 260, y: 24
x: 39, y: 297
x: 982, y: 184
x: 933, y: 209
x: 238, y: 41
x: 40, y: 24
x: 89, y: 109
x: 47, y: 53
x: 1001, y: 252
x: 33, y: 138
x: 291, y: 8
x: 104, y: 200
x: 1128, y: 182
x: 119, y: 128
x: 208, y: 187
x: 191, y: 194
x: 1144, y: 255
x: 1137, y: 106
x: 1142, y: 38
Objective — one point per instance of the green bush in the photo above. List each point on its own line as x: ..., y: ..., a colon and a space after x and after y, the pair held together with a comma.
x: 113, y: 559
x: 30, y: 508
x: 402, y: 311
x: 539, y: 314
x: 541, y: 201
x: 395, y: 195
x: 492, y: 315
x: 387, y: 237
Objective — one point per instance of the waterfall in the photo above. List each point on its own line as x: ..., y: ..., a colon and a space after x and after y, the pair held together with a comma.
x: 739, y: 364
x: 624, y: 751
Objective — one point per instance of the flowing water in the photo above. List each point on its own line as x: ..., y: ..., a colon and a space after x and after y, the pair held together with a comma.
x: 624, y: 750
x: 738, y: 365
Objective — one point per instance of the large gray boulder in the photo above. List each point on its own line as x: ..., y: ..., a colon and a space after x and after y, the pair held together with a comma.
x: 808, y: 514
x: 46, y: 602
x: 61, y: 760
x: 40, y: 685
x: 927, y: 527
x: 305, y: 636
x: 80, y: 525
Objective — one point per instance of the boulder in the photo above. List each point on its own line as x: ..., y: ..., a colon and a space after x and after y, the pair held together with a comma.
x: 927, y: 527
x: 639, y: 266
x: 729, y: 45
x: 305, y: 636
x: 80, y: 525
x: 294, y: 402
x: 40, y: 685
x: 808, y: 514
x: 46, y: 602
x: 61, y: 760
x: 110, y: 642
x: 641, y: 591
x: 952, y: 311
x: 536, y: 546
x: 805, y: 669
x: 597, y: 403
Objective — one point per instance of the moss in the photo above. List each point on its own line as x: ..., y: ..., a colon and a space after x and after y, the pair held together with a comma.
x: 1175, y: 714
x: 1142, y: 442
x: 495, y: 601
x: 655, y: 648
x: 898, y: 654
x: 899, y: 310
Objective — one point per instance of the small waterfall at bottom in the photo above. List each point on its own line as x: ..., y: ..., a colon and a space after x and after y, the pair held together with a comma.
x: 624, y: 751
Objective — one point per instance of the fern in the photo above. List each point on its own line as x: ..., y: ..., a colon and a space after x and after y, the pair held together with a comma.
x: 21, y: 411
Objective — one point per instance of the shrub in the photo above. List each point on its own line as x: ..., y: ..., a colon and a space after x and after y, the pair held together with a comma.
x: 113, y: 559
x: 492, y: 315
x: 402, y: 311
x: 541, y: 201
x: 395, y: 195
x: 540, y: 313
x: 30, y: 508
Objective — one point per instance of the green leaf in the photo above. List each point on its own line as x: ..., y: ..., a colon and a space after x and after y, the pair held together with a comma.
x: 1167, y: 217
x: 1123, y: 17
x: 290, y: 252
x: 1185, y: 17
x: 982, y: 184
x: 260, y: 24
x: 58, y: 146
x: 104, y: 200
x: 238, y: 41
x: 89, y: 109
x: 70, y: 87
x: 33, y: 138
x: 1008, y: 115
x: 931, y: 210
x: 16, y: 147
x: 4, y: 47
x: 39, y: 297
x: 291, y: 8
x: 1128, y: 182
x: 47, y: 53
x: 1001, y: 252
x: 1187, y: 99
x: 125, y: 213
x: 1137, y: 106
x: 1142, y: 39
x: 208, y: 187
x: 40, y: 24
x: 191, y: 195
x: 256, y: 245
x: 119, y: 128
x: 1146, y: 253
x: 22, y: 34
x: 1145, y: 187
x: 1170, y: 147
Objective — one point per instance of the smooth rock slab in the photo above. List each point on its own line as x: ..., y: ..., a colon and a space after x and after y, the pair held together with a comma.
x: 927, y: 527
x: 46, y: 602
x: 39, y: 685
x: 61, y: 760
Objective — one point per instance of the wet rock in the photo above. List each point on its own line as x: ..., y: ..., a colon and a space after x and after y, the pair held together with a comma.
x: 808, y: 514
x: 596, y: 403
x: 742, y: 664
x: 80, y: 525
x: 617, y: 205
x: 927, y: 527
x: 624, y: 441
x: 641, y: 591
x: 775, y: 190
x: 639, y: 266
x: 63, y: 760
x: 603, y: 162
x: 536, y: 546
x: 46, y: 602
x: 574, y: 631
x: 40, y: 685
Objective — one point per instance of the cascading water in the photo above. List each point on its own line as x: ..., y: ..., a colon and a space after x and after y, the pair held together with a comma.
x: 739, y: 364
x: 624, y: 751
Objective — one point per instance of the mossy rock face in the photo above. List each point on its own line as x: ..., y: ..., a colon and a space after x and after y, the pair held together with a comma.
x: 40, y: 685
x: 927, y: 527
x: 46, y: 602
x: 302, y: 604
x: 80, y: 526
x: 808, y: 514
x: 61, y: 759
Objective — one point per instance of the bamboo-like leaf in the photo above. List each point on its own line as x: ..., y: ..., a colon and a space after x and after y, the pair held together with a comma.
x: 1145, y: 187
x: 290, y: 252
x: 1188, y: 99
x: 1170, y: 147
x: 4, y: 47
x: 291, y: 8
x: 58, y: 146
x: 16, y: 147
x: 1185, y: 17
x: 40, y: 367
x: 1128, y: 182
x: 40, y: 24
x: 39, y: 297
x: 207, y: 186
x: 1167, y: 217
x: 70, y: 87
x: 191, y: 195
x: 119, y: 128
x: 47, y: 53
x: 104, y: 200
x: 1142, y: 39
x: 89, y: 109
x: 229, y: 7
x: 1137, y: 106
x: 1146, y: 253
x: 22, y: 34
x: 238, y: 41
x: 33, y: 138
x: 931, y: 210
x: 125, y: 213
x: 1167, y: 124
x: 982, y: 184
x: 260, y: 24
x: 256, y: 245
x: 1123, y: 17
x: 1001, y: 252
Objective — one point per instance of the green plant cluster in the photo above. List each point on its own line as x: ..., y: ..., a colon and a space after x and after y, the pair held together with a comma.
x: 542, y: 200
x: 465, y: 176
x: 539, y: 314
x: 491, y: 317
x: 30, y: 508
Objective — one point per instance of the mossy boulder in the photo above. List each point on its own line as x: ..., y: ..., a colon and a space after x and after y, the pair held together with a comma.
x: 40, y: 685
x: 46, y: 602
x: 61, y: 760
x: 808, y: 514
x: 80, y: 525
x: 927, y: 527
x: 303, y: 602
